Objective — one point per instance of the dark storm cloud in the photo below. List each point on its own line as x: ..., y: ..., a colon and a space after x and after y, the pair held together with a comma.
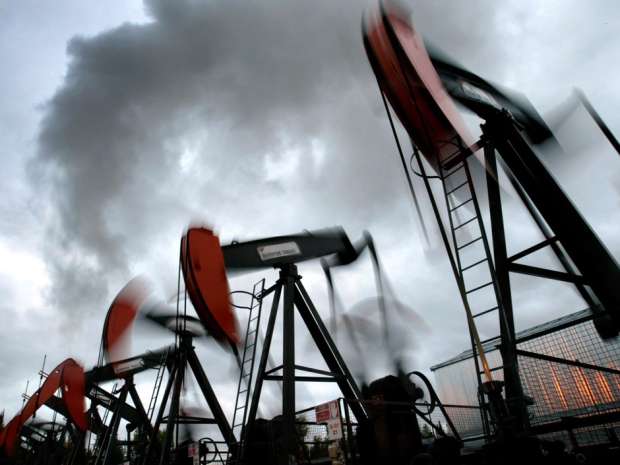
x: 113, y: 135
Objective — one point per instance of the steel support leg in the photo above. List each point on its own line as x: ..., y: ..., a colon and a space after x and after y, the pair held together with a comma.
x: 211, y: 398
x: 289, y: 450
x: 173, y: 411
x: 514, y: 391
x: 137, y: 402
x: 329, y: 351
x: 110, y: 439
x: 160, y: 415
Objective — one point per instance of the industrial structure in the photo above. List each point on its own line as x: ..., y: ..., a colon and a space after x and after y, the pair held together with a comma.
x: 422, y: 92
x: 577, y: 402
x: 501, y: 400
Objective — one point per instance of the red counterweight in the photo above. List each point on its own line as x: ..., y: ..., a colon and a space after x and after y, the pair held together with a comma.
x: 412, y: 86
x: 204, y: 272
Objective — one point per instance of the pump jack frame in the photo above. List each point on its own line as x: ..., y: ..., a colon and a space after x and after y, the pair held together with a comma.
x: 184, y: 355
x: 296, y: 297
x: 588, y: 264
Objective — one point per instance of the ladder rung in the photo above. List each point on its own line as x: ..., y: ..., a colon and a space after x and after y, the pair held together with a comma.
x: 255, y: 318
x: 251, y: 345
x: 474, y: 264
x: 465, y: 223
x: 479, y: 287
x: 469, y: 243
x: 454, y: 171
x: 247, y: 347
x: 461, y: 204
x: 456, y: 188
x: 485, y: 312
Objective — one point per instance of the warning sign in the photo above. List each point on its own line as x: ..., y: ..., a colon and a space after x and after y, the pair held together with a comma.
x: 322, y: 412
x: 330, y: 413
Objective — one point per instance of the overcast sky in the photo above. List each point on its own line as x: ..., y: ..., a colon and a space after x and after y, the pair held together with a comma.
x: 123, y: 122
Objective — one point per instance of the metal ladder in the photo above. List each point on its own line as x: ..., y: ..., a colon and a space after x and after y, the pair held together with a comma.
x: 100, y: 449
x: 107, y: 410
x: 457, y: 180
x: 247, y: 363
x: 157, y: 386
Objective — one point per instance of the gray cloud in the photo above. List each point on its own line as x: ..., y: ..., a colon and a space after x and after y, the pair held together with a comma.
x: 206, y: 77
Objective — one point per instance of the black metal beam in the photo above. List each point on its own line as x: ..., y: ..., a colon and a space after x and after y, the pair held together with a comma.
x: 174, y: 407
x: 190, y: 420
x: 546, y: 273
x: 137, y: 402
x: 569, y: 423
x: 284, y: 250
x: 126, y: 368
x: 328, y: 349
x: 266, y: 292
x: 599, y: 121
x: 514, y: 391
x: 289, y: 275
x: 96, y: 424
x: 57, y: 404
x: 31, y: 432
x: 564, y: 361
x: 273, y: 370
x: 315, y: 370
x: 110, y: 435
x: 100, y: 396
x: 211, y: 398
x: 532, y: 249
x: 322, y: 379
x: 160, y: 415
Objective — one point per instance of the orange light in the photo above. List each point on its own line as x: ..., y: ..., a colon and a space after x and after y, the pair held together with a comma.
x: 604, y: 388
x: 558, y: 389
x: 584, y: 388
x: 546, y: 396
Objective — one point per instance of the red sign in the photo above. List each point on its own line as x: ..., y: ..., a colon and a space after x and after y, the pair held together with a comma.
x: 322, y: 412
x: 330, y: 413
